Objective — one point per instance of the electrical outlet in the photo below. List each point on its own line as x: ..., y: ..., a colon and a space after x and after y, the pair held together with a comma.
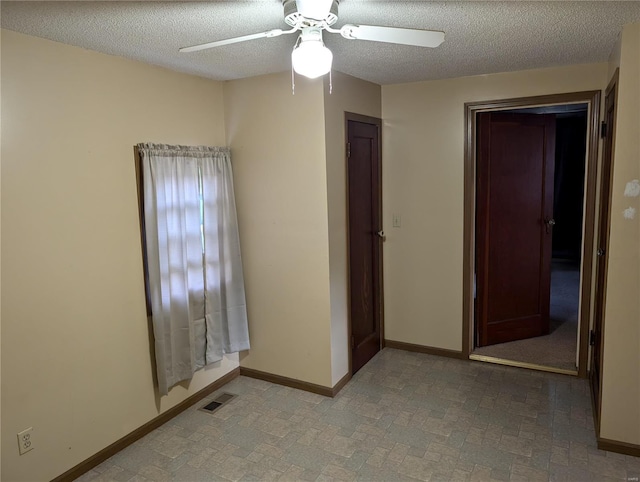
x: 25, y: 440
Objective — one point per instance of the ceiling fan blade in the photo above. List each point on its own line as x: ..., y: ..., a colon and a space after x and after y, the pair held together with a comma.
x: 219, y: 43
x: 315, y: 9
x: 394, y: 35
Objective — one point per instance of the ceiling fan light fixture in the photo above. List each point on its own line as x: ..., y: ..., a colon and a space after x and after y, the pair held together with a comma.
x: 310, y: 57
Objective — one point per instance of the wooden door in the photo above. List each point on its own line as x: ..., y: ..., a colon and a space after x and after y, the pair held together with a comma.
x: 514, y: 222
x: 365, y: 238
x: 596, y: 338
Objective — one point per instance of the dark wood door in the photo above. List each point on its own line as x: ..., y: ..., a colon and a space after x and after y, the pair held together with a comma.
x: 515, y: 166
x: 602, y: 243
x: 365, y: 243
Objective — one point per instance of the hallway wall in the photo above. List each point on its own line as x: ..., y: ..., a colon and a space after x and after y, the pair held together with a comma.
x: 423, y: 176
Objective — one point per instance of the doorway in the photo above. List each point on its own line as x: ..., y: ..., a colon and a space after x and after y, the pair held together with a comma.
x: 552, y: 309
x: 514, y: 216
x: 597, y: 339
x: 365, y: 237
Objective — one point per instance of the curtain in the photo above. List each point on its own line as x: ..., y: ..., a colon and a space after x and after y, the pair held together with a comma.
x: 226, y: 311
x: 195, y: 281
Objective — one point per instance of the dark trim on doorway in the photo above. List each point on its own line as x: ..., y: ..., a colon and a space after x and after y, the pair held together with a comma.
x: 594, y: 405
x: 589, y: 240
x: 600, y: 292
x: 471, y: 109
x: 137, y: 434
x: 429, y: 350
x: 351, y: 116
x: 365, y: 119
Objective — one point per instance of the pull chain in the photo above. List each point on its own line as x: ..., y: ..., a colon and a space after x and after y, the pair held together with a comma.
x: 330, y: 83
x: 293, y: 77
x: 293, y: 82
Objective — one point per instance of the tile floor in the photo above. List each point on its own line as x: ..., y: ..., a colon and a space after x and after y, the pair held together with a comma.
x: 404, y: 416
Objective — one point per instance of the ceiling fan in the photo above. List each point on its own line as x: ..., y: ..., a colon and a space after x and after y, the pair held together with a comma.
x: 310, y: 57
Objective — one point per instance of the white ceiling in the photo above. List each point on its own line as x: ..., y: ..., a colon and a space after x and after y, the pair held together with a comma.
x: 481, y: 37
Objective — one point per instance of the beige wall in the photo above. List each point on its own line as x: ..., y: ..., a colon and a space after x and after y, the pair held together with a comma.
x: 614, y: 57
x: 76, y: 364
x: 0, y: 251
x: 278, y: 148
x: 77, y: 334
x: 360, y: 97
x: 423, y: 142
x: 621, y: 370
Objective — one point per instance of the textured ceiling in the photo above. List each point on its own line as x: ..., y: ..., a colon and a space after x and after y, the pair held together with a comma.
x: 481, y: 37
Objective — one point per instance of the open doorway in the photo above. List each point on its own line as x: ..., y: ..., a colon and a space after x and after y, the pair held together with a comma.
x: 556, y: 346
x: 566, y: 227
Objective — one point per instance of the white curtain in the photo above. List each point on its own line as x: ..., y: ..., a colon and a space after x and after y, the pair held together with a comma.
x: 226, y: 312
x: 195, y: 280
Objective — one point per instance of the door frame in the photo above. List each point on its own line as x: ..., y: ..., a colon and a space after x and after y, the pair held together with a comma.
x: 601, y: 295
x: 592, y: 99
x: 350, y: 116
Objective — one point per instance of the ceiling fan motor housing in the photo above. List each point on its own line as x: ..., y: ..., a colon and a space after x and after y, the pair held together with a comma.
x: 295, y: 19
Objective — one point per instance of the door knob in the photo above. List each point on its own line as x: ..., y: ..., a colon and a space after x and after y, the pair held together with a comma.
x: 381, y: 235
x: 549, y: 223
x: 600, y: 252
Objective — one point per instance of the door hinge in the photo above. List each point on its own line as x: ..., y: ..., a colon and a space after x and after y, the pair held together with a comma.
x: 348, y: 150
x: 603, y: 129
x: 353, y: 341
x: 592, y: 338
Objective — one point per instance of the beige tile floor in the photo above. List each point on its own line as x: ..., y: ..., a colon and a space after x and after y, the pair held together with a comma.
x: 404, y: 416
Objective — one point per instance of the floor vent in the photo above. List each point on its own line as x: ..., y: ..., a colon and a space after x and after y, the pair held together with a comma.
x: 218, y: 402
